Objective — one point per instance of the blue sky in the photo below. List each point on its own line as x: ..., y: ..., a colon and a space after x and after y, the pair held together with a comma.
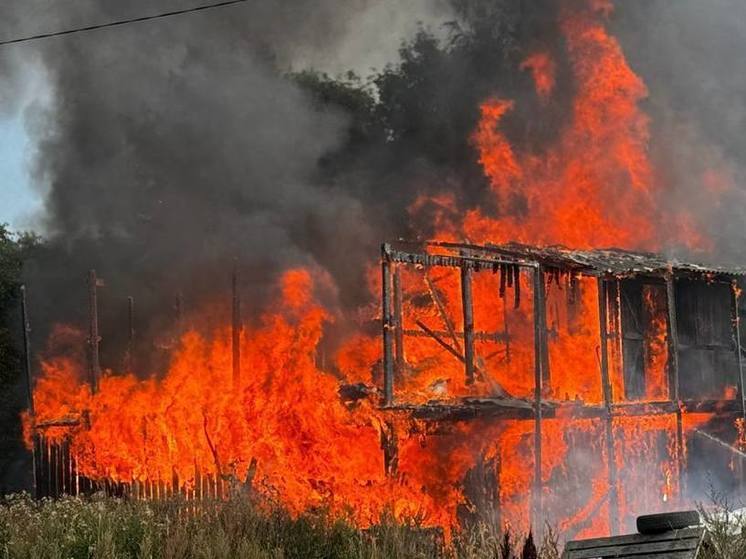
x: 18, y: 201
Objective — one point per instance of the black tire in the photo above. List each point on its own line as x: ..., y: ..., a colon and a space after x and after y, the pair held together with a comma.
x: 663, y: 522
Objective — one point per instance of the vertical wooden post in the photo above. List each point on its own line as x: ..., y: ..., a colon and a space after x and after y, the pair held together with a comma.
x: 398, y: 322
x: 94, y: 366
x: 540, y: 349
x: 737, y: 340
x: 236, y: 329
x: 29, y: 383
x: 674, y: 390
x: 52, y: 472
x: 27, y: 353
x: 608, y: 399
x: 736, y: 319
x: 467, y: 306
x: 37, y: 463
x: 388, y: 341
x: 673, y: 340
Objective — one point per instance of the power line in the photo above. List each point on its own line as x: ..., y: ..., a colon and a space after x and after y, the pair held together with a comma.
x: 121, y: 22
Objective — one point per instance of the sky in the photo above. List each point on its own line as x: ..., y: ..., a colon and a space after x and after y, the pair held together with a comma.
x: 18, y: 200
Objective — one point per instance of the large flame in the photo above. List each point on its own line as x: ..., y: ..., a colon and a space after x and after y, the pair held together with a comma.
x: 284, y: 427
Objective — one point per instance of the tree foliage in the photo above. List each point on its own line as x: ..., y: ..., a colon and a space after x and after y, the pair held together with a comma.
x: 13, y: 249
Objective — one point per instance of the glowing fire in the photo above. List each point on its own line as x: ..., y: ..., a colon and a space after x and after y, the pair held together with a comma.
x: 284, y: 429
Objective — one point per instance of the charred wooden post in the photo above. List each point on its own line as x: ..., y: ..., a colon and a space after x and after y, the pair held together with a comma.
x: 540, y: 348
x: 467, y: 305
x: 736, y: 320
x: 94, y: 366
x: 398, y: 322
x: 27, y: 352
x: 236, y: 330
x: 673, y: 379
x: 608, y: 400
x: 387, y: 323
x: 737, y: 340
x: 29, y: 382
x: 53, y: 471
x: 673, y: 340
x: 65, y: 466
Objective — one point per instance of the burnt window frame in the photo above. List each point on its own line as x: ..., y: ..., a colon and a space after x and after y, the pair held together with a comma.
x: 692, y: 326
x: 637, y: 392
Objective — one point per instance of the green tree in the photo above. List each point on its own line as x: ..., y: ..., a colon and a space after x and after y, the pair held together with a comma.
x: 13, y: 249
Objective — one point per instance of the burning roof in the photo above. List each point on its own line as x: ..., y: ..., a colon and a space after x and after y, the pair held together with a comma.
x: 595, y: 262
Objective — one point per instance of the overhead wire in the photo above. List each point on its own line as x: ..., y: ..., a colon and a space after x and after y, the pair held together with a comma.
x: 120, y: 22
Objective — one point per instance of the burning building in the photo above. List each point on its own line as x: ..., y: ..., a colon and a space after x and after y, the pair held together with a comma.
x: 513, y: 383
x: 598, y: 342
x: 596, y: 382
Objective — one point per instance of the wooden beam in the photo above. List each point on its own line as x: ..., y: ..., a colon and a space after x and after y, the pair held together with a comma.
x: 467, y: 305
x: 434, y: 335
x: 386, y: 322
x: 737, y: 340
x: 736, y: 320
x: 540, y: 349
x: 674, y: 388
x: 442, y: 310
x: 398, y: 322
x: 608, y: 399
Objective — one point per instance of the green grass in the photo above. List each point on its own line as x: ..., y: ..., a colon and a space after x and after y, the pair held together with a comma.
x: 106, y: 528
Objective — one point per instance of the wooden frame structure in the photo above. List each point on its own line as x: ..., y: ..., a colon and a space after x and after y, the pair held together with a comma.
x: 609, y: 267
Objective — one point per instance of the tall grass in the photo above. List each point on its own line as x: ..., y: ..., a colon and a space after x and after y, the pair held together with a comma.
x: 726, y: 527
x: 107, y: 528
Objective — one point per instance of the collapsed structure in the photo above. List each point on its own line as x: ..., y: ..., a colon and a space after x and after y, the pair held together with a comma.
x: 664, y: 337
